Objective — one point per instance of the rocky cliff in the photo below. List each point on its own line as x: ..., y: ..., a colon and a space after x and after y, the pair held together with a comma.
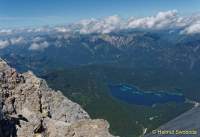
x: 185, y: 125
x: 29, y: 108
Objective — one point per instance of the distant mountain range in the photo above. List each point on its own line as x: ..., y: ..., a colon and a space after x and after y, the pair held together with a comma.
x: 157, y: 49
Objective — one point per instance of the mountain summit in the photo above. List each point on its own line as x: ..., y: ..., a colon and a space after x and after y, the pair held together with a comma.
x: 29, y: 108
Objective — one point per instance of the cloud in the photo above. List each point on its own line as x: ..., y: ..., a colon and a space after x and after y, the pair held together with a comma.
x: 39, y: 46
x: 38, y: 30
x: 161, y: 20
x: 4, y: 44
x: 105, y: 25
x: 11, y: 41
x: 192, y: 29
x: 17, y: 40
x: 62, y: 29
x: 5, y: 31
x: 37, y: 39
x: 170, y: 20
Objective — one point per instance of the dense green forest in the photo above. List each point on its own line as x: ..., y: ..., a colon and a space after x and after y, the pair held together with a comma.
x: 87, y: 86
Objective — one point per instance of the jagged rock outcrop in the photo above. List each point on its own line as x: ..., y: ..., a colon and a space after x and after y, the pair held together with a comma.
x: 29, y: 108
x: 185, y: 125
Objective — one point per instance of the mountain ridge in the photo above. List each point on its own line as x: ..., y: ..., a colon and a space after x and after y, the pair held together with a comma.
x: 31, y: 109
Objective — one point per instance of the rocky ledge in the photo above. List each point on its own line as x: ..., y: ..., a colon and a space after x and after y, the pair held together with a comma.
x: 29, y: 108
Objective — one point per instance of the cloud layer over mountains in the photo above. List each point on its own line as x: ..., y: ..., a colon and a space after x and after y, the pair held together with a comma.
x: 11, y: 41
x: 162, y: 20
x: 169, y: 20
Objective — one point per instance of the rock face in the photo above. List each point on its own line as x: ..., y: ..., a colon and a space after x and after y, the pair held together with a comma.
x: 185, y: 125
x: 29, y: 108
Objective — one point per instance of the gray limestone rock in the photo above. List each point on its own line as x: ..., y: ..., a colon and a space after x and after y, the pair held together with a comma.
x: 29, y: 108
x: 185, y: 125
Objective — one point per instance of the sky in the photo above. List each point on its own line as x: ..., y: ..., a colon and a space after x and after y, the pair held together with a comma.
x: 22, y: 13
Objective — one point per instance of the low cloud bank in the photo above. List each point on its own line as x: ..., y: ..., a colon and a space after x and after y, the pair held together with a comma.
x: 169, y: 20
x: 162, y: 20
